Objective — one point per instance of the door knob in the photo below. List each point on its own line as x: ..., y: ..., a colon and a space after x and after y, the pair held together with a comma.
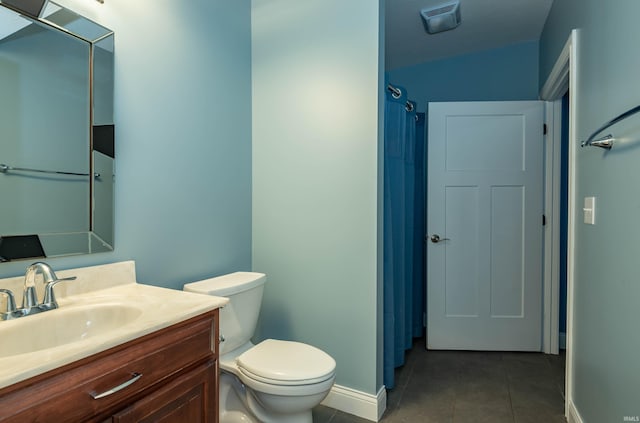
x: 435, y: 238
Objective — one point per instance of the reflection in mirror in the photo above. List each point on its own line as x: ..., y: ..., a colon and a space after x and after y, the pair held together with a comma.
x: 31, y: 8
x: 56, y: 126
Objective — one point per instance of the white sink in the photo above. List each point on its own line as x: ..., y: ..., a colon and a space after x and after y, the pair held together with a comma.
x: 63, y: 326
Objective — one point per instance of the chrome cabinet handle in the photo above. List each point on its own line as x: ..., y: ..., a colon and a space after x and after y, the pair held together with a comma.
x: 135, y: 378
x: 435, y: 238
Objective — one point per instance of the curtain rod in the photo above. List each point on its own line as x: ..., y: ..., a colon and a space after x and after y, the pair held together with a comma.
x: 397, y: 93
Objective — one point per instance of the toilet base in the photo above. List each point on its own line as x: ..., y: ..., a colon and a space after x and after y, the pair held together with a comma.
x: 300, y: 417
x: 236, y: 417
x: 240, y: 405
x: 232, y: 408
x: 240, y: 417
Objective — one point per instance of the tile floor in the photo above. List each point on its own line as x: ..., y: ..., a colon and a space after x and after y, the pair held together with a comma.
x: 468, y: 386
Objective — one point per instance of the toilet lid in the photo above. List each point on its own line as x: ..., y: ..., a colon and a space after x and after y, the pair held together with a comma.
x: 286, y: 361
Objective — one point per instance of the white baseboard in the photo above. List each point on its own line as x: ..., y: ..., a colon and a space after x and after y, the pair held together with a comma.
x: 562, y: 341
x: 572, y: 414
x: 361, y: 404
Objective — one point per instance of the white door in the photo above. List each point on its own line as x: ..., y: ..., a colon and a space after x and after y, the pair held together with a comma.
x: 485, y: 203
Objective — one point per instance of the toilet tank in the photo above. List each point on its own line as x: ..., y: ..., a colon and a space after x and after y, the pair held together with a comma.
x: 239, y: 317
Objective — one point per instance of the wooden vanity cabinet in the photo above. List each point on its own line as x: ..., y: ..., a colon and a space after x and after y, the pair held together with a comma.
x: 178, y: 381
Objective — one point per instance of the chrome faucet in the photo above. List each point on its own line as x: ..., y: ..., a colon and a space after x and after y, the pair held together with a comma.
x: 30, y: 299
x: 11, y: 305
x: 30, y: 303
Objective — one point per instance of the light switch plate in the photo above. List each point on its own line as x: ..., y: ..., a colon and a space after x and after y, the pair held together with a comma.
x: 589, y: 210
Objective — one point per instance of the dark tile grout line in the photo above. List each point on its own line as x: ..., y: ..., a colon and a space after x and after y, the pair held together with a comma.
x: 455, y: 397
x: 410, y: 372
x: 410, y: 362
x: 454, y: 403
x: 409, y: 366
x: 508, y: 379
x: 332, y: 416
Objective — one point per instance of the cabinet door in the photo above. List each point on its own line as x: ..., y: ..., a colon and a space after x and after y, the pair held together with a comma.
x: 190, y: 397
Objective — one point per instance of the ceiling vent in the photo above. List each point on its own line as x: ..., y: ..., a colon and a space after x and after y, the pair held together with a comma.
x: 441, y: 18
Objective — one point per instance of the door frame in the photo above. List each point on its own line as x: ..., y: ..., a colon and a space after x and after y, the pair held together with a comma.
x: 563, y: 76
x: 551, y: 272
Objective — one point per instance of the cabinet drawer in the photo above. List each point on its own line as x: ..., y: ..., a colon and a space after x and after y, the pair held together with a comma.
x: 65, y: 394
x: 186, y: 398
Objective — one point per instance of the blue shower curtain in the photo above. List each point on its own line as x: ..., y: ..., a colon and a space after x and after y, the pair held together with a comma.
x: 403, y: 232
x: 419, y: 252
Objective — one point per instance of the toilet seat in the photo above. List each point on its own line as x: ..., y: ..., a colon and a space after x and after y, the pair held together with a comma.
x: 279, y: 382
x: 283, y: 368
x: 286, y: 390
x: 286, y: 363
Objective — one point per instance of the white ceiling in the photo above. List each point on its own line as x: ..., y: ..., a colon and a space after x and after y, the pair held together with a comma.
x: 486, y: 24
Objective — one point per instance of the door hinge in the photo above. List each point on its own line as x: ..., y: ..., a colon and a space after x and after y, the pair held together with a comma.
x: 544, y: 220
x: 544, y: 129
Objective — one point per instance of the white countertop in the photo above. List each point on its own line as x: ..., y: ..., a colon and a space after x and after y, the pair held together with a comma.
x: 158, y: 308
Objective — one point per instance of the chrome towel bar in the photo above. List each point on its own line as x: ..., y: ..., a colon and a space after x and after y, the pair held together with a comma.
x: 4, y: 168
x: 607, y: 141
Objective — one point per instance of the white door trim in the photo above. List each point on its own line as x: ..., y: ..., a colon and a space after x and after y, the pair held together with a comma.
x: 565, y: 74
x: 553, y: 160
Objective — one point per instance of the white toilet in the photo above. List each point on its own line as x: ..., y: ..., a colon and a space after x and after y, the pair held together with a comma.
x: 274, y: 381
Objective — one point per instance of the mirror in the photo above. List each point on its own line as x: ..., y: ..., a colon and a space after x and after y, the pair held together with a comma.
x: 57, y: 131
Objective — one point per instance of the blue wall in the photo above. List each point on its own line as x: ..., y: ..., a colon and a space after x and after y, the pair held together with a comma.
x: 606, y: 340
x: 507, y: 73
x: 315, y: 178
x: 183, y: 138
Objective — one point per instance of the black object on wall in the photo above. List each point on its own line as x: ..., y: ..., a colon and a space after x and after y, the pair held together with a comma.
x: 32, y: 8
x: 18, y: 247
x: 104, y: 139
